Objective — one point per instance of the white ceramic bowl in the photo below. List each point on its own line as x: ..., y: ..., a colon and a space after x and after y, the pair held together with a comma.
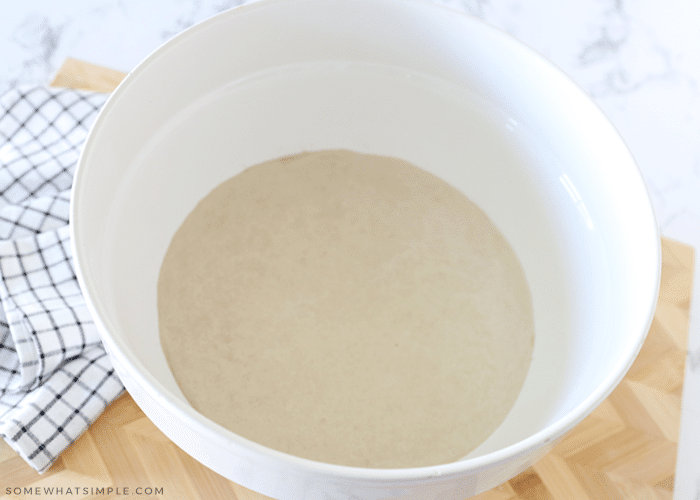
x: 403, y: 78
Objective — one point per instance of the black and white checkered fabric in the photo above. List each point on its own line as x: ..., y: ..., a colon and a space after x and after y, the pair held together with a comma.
x: 55, y: 377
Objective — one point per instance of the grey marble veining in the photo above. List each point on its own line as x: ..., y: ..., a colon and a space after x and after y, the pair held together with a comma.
x: 640, y: 61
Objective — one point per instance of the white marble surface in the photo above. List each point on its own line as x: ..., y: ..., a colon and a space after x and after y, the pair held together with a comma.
x: 639, y: 59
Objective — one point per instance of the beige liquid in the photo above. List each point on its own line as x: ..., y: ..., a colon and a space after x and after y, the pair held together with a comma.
x: 351, y: 309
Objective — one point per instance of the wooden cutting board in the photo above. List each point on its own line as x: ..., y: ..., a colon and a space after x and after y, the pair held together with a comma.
x: 626, y: 448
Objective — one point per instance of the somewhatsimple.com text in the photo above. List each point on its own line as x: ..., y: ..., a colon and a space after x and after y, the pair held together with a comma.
x: 83, y: 490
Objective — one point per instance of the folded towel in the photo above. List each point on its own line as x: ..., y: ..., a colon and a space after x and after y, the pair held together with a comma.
x: 55, y: 376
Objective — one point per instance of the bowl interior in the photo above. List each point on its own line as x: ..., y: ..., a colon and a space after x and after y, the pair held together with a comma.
x: 438, y: 89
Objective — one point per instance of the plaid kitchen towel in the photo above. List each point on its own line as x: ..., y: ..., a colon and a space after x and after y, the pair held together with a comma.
x: 55, y: 376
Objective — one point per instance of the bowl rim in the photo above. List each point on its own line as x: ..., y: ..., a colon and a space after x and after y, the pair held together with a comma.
x: 126, y: 359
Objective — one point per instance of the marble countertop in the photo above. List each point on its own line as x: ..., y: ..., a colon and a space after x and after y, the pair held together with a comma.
x: 638, y: 59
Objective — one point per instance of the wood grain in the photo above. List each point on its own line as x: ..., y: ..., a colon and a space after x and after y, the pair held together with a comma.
x: 625, y: 449
x: 75, y: 74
